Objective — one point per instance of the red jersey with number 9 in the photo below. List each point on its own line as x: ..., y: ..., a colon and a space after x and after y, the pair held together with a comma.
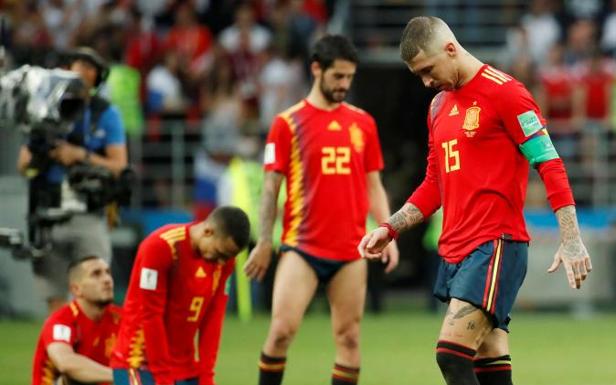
x: 475, y: 168
x: 174, y: 295
x: 325, y: 156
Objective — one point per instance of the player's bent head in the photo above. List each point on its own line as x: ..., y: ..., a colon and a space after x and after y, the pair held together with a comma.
x: 330, y: 48
x: 90, y: 279
x: 226, y: 233
x: 424, y: 34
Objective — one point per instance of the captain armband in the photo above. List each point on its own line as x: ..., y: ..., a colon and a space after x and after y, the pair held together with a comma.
x: 539, y: 148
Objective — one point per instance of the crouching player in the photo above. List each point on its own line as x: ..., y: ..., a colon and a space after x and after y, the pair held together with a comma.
x: 177, y: 294
x: 76, y: 340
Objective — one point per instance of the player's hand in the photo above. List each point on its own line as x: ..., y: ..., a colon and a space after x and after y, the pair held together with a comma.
x: 573, y: 256
x: 67, y: 154
x: 373, y: 243
x: 391, y: 256
x: 259, y: 260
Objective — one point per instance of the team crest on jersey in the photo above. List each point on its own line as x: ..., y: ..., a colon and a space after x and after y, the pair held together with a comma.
x: 357, y: 138
x: 471, y: 121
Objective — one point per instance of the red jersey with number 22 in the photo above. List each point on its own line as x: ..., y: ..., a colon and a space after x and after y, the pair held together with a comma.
x: 325, y: 156
x: 475, y: 168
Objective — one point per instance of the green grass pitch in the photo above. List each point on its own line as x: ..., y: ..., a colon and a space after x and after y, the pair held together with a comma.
x: 398, y: 348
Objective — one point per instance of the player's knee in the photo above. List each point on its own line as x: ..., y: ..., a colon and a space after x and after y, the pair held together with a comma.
x: 282, y: 334
x: 347, y: 338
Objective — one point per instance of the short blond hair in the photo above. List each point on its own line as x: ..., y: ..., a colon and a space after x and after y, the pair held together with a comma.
x: 420, y: 34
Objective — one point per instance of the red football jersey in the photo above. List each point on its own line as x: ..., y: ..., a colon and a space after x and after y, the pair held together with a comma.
x: 325, y: 156
x: 475, y: 168
x: 69, y: 325
x: 173, y: 294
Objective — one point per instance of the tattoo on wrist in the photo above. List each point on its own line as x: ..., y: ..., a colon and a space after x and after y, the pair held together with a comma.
x: 570, y: 232
x: 405, y: 218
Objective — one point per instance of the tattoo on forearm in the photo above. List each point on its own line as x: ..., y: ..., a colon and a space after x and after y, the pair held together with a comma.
x: 570, y: 232
x: 405, y: 218
x: 269, y: 205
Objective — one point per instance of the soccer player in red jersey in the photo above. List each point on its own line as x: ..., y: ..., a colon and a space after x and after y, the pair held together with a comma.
x: 177, y: 293
x: 484, y: 131
x: 330, y: 155
x: 76, y: 340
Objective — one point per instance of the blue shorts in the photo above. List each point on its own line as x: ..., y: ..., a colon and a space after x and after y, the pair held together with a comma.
x: 325, y: 269
x: 489, y: 278
x: 142, y: 377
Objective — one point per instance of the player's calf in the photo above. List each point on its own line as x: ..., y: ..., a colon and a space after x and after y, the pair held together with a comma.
x: 344, y: 375
x: 271, y: 369
x: 456, y: 363
x: 494, y: 371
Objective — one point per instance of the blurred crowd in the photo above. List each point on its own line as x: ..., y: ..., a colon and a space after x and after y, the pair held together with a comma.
x: 227, y: 67
x: 564, y: 51
x: 195, y: 59
x: 222, y: 68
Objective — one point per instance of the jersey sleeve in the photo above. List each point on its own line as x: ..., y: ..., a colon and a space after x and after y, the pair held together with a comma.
x: 111, y: 122
x: 278, y: 147
x: 519, y: 112
x: 155, y: 263
x: 427, y: 197
x: 373, y: 156
x: 211, y: 328
x: 523, y: 121
x: 60, y: 327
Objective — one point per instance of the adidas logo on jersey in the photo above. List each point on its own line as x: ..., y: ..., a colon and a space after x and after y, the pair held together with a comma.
x: 200, y: 273
x: 334, y: 126
x: 454, y: 110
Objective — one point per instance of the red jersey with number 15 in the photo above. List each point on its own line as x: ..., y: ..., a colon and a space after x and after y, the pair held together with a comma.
x: 174, y: 295
x: 325, y: 156
x: 475, y: 168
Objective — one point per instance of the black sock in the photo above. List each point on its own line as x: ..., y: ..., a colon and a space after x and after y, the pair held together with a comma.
x: 271, y: 369
x: 343, y: 375
x: 456, y: 363
x: 494, y: 371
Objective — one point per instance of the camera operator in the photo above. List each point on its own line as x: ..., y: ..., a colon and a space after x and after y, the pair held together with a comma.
x: 96, y: 139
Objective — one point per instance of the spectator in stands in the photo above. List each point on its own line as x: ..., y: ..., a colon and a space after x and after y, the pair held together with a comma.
x: 281, y: 83
x: 190, y: 40
x: 30, y: 37
x: 555, y: 91
x: 61, y: 20
x: 595, y: 80
x: 165, y: 94
x: 541, y: 27
x: 142, y: 44
x: 224, y: 111
x: 608, y: 38
x: 245, y: 26
x: 581, y: 39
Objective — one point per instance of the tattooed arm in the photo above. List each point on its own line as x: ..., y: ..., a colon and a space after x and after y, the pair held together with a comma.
x: 407, y: 217
x: 572, y: 253
x: 373, y: 243
x: 260, y: 256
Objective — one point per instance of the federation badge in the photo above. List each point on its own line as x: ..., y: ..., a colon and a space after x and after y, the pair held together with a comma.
x: 471, y: 121
x: 357, y: 138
